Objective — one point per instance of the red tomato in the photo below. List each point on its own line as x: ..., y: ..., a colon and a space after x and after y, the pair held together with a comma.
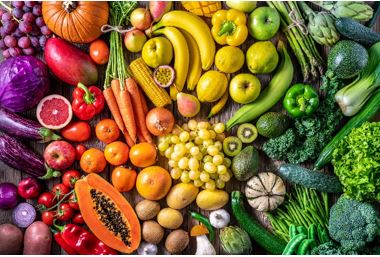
x: 79, y: 150
x: 77, y: 131
x: 70, y: 177
x: 73, y: 202
x: 60, y: 190
x: 65, y: 212
x: 99, y: 52
x: 78, y: 218
x: 48, y: 217
x: 47, y: 199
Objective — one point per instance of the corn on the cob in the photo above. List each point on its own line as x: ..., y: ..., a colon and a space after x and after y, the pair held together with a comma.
x: 143, y: 75
x: 202, y: 8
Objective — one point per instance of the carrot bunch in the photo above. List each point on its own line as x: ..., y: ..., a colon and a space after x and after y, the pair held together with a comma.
x: 121, y: 92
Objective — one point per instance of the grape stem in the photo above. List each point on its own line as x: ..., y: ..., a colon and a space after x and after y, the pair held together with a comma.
x: 6, y: 6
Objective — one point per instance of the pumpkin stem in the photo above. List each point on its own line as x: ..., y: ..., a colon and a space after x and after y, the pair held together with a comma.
x: 69, y: 6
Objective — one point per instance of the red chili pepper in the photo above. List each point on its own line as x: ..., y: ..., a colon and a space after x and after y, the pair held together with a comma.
x: 87, y: 102
x: 83, y: 241
x: 62, y: 243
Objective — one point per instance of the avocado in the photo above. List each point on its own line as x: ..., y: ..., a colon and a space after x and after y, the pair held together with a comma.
x: 245, y: 164
x: 272, y: 124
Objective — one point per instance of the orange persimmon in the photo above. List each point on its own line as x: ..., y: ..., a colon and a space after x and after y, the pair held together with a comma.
x: 123, y: 179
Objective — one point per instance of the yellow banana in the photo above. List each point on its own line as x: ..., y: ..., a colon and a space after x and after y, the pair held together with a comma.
x: 197, y: 27
x: 195, y: 65
x: 219, y: 105
x: 181, y: 57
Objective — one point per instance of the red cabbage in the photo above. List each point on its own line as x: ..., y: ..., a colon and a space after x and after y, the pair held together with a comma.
x: 24, y: 81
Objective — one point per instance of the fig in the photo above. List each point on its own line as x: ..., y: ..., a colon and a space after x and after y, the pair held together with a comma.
x: 188, y: 105
x: 159, y: 8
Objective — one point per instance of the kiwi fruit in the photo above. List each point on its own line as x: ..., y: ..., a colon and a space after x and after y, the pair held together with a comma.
x: 247, y: 133
x: 232, y: 146
x: 147, y: 209
x: 152, y: 232
x: 177, y: 241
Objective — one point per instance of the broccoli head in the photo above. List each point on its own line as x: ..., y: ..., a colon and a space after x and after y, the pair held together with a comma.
x: 331, y: 248
x: 353, y: 224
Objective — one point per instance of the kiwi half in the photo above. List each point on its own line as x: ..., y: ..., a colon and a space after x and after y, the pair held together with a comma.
x: 232, y: 146
x: 247, y: 133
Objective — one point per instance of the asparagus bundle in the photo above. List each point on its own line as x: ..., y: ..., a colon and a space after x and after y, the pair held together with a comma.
x: 299, y: 39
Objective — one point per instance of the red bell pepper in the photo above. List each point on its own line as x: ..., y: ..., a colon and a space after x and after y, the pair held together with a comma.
x: 83, y: 241
x: 62, y: 243
x: 87, y: 102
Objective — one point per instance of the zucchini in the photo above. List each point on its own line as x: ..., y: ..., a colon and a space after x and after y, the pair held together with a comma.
x: 367, y: 112
x: 346, y: 59
x: 356, y: 31
x: 269, y: 242
x: 310, y: 179
x: 271, y: 95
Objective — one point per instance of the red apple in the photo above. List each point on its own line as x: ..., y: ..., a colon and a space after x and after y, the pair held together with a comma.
x: 29, y: 188
x: 59, y: 155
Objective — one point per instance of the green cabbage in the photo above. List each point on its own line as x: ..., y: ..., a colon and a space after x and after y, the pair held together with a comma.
x: 356, y: 162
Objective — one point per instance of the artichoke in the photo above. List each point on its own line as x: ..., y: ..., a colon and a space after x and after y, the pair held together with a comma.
x: 235, y: 240
x: 357, y: 10
x: 321, y: 26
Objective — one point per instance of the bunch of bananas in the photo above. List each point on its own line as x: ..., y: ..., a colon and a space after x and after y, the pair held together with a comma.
x: 202, y: 8
x: 193, y: 44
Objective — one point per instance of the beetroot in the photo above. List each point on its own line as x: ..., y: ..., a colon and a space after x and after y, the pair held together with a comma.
x: 69, y: 63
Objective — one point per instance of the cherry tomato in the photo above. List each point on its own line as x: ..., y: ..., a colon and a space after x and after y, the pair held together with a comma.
x: 48, y: 217
x: 79, y: 150
x: 60, y: 190
x: 78, y: 218
x: 70, y: 177
x: 99, y: 52
x: 77, y: 131
x: 65, y: 212
x: 47, y: 199
x: 73, y: 202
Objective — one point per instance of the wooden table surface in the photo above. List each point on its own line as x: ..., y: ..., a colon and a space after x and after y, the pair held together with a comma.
x: 8, y: 174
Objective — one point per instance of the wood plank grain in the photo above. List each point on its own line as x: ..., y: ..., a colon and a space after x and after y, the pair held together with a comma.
x: 266, y: 164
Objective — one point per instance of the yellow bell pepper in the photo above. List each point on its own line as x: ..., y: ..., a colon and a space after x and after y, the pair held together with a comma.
x: 229, y: 27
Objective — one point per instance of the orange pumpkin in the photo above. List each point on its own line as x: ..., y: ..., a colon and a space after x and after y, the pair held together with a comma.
x: 153, y: 183
x: 75, y: 21
x: 108, y: 214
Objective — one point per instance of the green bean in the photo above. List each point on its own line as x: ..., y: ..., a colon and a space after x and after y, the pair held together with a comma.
x: 312, y: 232
x: 292, y: 231
x: 302, y: 230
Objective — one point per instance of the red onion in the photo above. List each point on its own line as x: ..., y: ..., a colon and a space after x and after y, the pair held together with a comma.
x: 23, y: 215
x: 8, y: 196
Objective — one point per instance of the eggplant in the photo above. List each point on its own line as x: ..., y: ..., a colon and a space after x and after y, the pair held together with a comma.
x: 20, y: 127
x: 18, y: 156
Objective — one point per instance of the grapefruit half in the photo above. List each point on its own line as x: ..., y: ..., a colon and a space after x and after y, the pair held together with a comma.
x: 54, y: 112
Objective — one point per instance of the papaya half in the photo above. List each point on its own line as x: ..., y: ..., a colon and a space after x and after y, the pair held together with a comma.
x: 108, y: 214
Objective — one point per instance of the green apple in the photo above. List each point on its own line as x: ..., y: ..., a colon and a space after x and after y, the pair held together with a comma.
x: 134, y: 40
x: 244, y: 6
x: 244, y: 88
x: 263, y: 23
x: 157, y: 51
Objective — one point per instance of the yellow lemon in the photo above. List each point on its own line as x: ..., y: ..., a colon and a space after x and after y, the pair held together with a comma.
x: 262, y: 57
x: 229, y: 59
x: 211, y: 86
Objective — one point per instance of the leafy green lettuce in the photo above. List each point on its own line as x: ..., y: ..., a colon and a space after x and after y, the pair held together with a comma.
x: 356, y: 162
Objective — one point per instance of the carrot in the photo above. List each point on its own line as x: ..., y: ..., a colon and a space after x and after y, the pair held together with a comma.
x: 124, y: 102
x: 132, y: 88
x: 128, y: 139
x: 112, y: 105
x: 143, y: 102
x: 140, y: 136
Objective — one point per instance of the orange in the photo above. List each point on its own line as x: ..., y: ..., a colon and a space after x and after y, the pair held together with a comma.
x: 116, y: 153
x: 93, y: 161
x: 153, y: 183
x: 123, y: 179
x: 143, y: 155
x: 107, y: 131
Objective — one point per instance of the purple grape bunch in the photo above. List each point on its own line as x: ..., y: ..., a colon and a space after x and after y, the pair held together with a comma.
x: 22, y: 29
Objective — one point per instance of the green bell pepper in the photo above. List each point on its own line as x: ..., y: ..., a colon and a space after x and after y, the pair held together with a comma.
x: 301, y: 100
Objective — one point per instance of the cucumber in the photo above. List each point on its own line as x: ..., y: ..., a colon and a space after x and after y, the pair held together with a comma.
x: 310, y: 179
x: 357, y: 32
x: 367, y: 112
x: 269, y: 242
x: 346, y: 59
